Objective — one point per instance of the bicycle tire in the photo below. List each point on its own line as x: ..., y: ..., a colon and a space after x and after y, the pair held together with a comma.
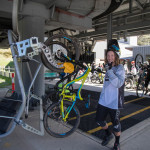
x: 55, y: 126
x: 93, y: 79
x: 69, y: 45
x: 138, y: 58
x: 128, y: 82
x: 140, y: 89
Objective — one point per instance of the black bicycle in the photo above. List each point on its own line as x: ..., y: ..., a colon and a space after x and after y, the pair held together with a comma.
x: 141, y: 89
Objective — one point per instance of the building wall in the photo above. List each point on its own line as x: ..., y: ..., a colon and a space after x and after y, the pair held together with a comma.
x: 142, y: 50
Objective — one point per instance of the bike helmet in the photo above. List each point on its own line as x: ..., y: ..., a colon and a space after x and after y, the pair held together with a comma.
x: 114, y: 46
x: 132, y: 62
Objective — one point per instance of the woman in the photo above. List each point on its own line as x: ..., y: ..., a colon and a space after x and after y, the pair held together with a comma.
x: 112, y: 96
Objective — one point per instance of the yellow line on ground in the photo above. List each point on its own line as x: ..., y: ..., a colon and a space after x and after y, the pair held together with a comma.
x: 95, y: 111
x: 134, y: 100
x: 123, y: 118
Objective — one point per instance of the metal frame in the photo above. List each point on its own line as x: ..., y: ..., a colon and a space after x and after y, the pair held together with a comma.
x: 25, y: 99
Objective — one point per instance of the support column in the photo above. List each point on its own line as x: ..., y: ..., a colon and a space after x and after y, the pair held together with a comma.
x: 33, y: 27
x: 109, y: 28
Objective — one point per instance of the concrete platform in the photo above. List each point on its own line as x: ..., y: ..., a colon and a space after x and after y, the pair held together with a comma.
x: 134, y: 138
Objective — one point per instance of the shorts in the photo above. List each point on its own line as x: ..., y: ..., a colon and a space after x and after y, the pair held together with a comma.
x: 102, y: 113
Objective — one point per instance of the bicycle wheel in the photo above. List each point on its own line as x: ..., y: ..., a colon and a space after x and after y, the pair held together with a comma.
x: 140, y: 89
x: 128, y: 83
x: 57, y: 44
x: 93, y: 79
x: 55, y: 125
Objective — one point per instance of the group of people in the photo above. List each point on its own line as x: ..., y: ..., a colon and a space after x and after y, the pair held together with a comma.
x: 136, y: 70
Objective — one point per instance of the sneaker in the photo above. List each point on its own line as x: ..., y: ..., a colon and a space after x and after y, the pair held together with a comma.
x: 106, y: 139
x: 116, y: 146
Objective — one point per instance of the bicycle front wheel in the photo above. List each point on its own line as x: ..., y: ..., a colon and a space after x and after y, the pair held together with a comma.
x: 140, y: 89
x: 54, y: 123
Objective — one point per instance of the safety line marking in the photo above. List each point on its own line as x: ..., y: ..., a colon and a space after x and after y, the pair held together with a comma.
x: 95, y: 111
x: 123, y: 118
x: 134, y: 100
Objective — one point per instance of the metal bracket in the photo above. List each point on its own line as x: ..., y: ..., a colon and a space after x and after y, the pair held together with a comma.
x: 31, y: 129
x: 23, y: 45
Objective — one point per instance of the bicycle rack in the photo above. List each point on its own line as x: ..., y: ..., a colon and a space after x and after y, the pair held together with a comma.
x: 9, y: 117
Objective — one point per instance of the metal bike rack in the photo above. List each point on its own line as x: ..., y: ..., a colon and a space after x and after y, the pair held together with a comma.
x: 24, y: 101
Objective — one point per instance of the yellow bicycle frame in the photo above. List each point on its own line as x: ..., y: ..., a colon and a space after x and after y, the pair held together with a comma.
x: 72, y: 97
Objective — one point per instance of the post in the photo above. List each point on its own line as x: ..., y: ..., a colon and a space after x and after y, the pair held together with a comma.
x: 109, y: 28
x: 13, y: 82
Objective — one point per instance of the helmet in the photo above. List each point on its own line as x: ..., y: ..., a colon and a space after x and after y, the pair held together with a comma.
x: 132, y: 62
x: 114, y: 46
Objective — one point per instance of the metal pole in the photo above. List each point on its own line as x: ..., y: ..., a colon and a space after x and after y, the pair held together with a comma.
x: 109, y: 28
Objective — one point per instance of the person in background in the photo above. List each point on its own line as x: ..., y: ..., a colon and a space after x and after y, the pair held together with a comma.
x: 133, y: 68
x: 93, y: 66
x: 99, y: 67
x: 126, y: 67
x: 112, y: 95
x: 148, y: 76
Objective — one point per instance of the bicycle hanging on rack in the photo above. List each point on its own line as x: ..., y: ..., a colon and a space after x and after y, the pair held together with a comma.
x: 48, y: 53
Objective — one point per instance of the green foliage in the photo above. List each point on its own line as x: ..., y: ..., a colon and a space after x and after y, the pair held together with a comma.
x: 5, y: 81
x: 6, y: 58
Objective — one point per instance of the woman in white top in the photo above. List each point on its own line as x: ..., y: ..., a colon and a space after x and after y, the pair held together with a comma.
x: 112, y: 96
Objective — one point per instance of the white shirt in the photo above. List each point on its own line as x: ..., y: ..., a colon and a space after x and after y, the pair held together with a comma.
x: 112, y: 95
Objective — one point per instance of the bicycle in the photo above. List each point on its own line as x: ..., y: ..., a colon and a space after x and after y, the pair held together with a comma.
x: 131, y: 81
x: 50, y: 59
x: 141, y: 89
x: 97, y: 77
x: 61, y: 119
x: 53, y: 94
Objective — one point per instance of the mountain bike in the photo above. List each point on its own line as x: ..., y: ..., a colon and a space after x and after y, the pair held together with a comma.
x: 61, y: 119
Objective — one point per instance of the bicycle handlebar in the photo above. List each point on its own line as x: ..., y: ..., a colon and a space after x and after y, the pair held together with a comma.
x: 73, y: 61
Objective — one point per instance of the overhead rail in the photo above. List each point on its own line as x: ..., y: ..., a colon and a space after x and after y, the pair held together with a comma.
x: 113, y: 6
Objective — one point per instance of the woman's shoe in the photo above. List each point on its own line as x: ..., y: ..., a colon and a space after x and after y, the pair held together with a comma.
x: 106, y: 139
x: 116, y: 146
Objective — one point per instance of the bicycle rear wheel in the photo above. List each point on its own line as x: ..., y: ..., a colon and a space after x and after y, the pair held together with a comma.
x: 57, y: 44
x: 54, y: 123
x: 140, y: 89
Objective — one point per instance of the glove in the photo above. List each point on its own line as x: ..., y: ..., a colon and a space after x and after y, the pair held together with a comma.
x: 108, y: 66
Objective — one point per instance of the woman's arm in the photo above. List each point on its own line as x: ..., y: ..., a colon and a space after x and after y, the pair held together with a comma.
x: 117, y: 78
